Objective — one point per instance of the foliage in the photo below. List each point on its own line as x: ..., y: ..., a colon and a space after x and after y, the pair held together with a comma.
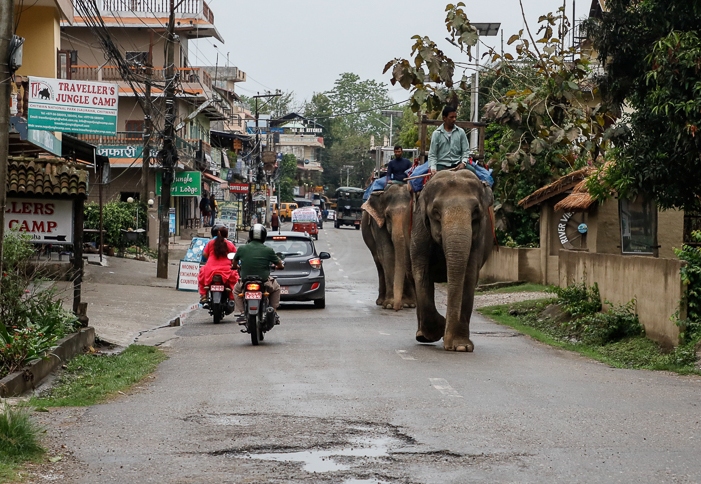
x: 527, y: 287
x: 578, y: 299
x: 357, y: 102
x: 89, y: 379
x: 691, y: 277
x: 19, y: 435
x: 650, y: 52
x: 288, y: 172
x: 116, y: 216
x: 32, y: 318
x: 617, y: 323
x: 631, y: 352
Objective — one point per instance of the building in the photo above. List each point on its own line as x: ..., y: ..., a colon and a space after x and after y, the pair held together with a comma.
x: 138, y: 29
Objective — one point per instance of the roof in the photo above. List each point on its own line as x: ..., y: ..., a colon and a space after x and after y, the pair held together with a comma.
x: 578, y: 201
x: 350, y: 189
x: 46, y: 177
x: 559, y: 186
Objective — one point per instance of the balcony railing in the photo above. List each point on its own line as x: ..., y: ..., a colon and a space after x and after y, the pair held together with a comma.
x: 123, y: 138
x: 192, y: 75
x: 187, y: 8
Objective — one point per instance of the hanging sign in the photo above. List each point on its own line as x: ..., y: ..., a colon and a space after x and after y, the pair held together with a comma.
x: 46, y: 221
x: 185, y: 184
x: 72, y: 106
x: 238, y: 188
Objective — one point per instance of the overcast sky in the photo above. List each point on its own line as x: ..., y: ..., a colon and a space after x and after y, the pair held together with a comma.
x: 304, y: 45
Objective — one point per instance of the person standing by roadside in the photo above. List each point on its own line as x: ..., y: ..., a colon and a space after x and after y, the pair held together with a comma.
x: 213, y: 209
x: 204, y: 210
x: 275, y: 222
x: 449, y: 145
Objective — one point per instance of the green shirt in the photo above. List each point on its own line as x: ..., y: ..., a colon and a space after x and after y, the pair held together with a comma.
x: 448, y: 148
x: 256, y: 259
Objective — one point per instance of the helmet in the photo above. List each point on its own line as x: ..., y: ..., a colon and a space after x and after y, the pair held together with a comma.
x: 258, y: 232
x: 216, y: 228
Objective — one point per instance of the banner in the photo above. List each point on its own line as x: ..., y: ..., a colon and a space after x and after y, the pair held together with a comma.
x: 46, y: 221
x: 72, y: 106
x: 186, y: 184
x: 187, y: 276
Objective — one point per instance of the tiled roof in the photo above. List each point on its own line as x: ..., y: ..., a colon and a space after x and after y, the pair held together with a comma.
x: 45, y: 177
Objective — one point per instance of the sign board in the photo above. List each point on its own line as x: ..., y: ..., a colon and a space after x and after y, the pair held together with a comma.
x: 273, y: 200
x: 186, y: 184
x: 72, y: 106
x: 46, y: 221
x: 171, y: 221
x: 118, y: 151
x: 46, y: 140
x: 187, y: 276
x: 238, y: 188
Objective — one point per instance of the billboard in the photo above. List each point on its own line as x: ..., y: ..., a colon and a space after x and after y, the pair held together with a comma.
x: 185, y: 184
x: 68, y: 106
x: 46, y: 221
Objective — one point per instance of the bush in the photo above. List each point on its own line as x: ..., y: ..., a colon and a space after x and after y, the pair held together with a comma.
x: 18, y: 435
x: 578, y: 300
x: 116, y: 216
x: 600, y: 329
x: 691, y: 277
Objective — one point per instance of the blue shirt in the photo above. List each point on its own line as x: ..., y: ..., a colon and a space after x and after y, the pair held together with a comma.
x: 396, y: 169
x: 448, y: 148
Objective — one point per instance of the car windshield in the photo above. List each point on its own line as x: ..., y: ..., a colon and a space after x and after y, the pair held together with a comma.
x: 291, y: 247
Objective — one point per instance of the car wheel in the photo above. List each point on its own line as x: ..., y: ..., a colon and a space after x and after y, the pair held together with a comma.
x: 320, y: 303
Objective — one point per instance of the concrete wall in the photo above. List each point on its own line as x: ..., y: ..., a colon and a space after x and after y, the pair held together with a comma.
x: 41, y: 28
x: 655, y: 283
x: 123, y: 180
x: 670, y: 232
x: 608, y: 238
x: 507, y: 264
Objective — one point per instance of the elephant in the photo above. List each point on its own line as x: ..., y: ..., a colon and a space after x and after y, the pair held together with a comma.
x: 385, y: 230
x: 451, y: 239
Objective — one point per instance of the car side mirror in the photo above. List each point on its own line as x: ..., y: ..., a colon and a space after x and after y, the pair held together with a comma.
x: 324, y: 255
x: 231, y: 255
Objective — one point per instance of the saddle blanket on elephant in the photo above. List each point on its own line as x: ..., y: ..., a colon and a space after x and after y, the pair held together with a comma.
x: 376, y: 186
x: 418, y: 183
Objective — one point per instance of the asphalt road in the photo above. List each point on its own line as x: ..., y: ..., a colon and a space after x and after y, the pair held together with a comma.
x: 346, y: 395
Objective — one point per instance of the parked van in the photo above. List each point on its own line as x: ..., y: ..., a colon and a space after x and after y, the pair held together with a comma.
x: 284, y: 210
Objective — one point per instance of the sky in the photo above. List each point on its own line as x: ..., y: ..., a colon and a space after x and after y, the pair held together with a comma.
x: 304, y: 45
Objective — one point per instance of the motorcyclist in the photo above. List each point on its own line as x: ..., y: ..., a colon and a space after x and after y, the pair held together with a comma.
x: 254, y: 259
x: 215, y: 252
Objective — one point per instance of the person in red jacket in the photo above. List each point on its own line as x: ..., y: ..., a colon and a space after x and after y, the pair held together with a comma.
x: 216, y: 252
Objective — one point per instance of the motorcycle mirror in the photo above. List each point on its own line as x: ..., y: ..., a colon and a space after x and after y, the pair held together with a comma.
x: 231, y: 255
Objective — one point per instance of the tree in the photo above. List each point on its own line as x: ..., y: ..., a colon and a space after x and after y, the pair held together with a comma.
x: 652, y: 58
x: 358, y: 103
x: 288, y: 174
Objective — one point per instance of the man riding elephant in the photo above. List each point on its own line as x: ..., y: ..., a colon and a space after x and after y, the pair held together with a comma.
x: 449, y: 145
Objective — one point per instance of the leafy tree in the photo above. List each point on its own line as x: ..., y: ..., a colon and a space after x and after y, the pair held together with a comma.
x: 288, y: 173
x: 358, y: 103
x: 651, y: 51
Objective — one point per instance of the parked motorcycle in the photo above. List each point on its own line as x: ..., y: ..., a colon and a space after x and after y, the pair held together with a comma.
x: 218, y: 301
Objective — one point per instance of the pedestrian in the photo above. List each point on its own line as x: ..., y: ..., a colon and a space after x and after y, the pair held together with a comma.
x: 213, y: 209
x: 398, y: 166
x: 275, y: 222
x: 204, y: 210
x: 449, y: 145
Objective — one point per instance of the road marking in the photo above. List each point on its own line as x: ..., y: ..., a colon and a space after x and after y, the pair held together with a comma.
x: 340, y: 270
x: 404, y: 356
x: 384, y: 334
x: 337, y: 263
x: 334, y: 258
x: 345, y: 277
x: 444, y: 387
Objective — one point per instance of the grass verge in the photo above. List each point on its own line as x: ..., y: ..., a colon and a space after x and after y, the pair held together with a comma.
x: 19, y: 441
x: 90, y: 379
x: 527, y: 287
x: 634, y: 352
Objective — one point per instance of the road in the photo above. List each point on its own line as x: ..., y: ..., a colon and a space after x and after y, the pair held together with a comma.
x: 346, y: 395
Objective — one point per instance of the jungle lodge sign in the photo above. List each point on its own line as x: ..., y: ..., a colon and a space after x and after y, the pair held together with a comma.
x: 72, y: 106
x: 46, y: 221
x: 186, y: 184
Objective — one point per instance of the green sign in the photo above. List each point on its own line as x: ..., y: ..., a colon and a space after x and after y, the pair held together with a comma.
x: 46, y: 140
x: 129, y: 152
x: 186, y: 184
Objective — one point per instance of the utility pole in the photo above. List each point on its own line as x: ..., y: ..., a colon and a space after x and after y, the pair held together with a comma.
x: 169, y: 154
x: 7, y: 15
x: 148, y: 124
x: 260, y: 150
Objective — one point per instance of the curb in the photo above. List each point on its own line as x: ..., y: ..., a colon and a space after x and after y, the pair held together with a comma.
x: 20, y: 382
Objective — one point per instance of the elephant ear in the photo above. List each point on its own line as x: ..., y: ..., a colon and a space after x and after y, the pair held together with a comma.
x: 373, y: 207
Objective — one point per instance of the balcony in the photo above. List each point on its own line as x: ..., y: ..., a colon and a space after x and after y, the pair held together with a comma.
x: 191, y: 75
x: 158, y: 8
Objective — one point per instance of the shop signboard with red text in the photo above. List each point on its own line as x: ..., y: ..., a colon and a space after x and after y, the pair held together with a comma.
x: 68, y: 106
x: 46, y: 221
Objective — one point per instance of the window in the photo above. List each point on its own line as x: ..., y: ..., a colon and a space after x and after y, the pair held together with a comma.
x: 63, y: 67
x: 638, y: 219
x: 137, y: 58
x: 135, y: 126
x: 291, y: 247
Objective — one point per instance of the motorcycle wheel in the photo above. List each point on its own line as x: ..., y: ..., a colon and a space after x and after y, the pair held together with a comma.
x: 217, y: 312
x: 253, y: 328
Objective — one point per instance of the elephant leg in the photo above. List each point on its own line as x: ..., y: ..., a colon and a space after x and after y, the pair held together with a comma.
x: 382, y: 291
x: 369, y: 239
x: 431, y: 325
x: 457, y: 336
x: 385, y: 251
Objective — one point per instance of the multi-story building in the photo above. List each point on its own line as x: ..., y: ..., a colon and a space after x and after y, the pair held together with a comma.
x: 137, y: 29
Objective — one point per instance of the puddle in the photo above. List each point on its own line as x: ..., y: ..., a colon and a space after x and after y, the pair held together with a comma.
x: 322, y: 460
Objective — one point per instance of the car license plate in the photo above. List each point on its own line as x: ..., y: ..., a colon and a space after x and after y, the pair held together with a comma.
x: 357, y: 222
x: 216, y: 288
x: 284, y: 290
x: 254, y: 295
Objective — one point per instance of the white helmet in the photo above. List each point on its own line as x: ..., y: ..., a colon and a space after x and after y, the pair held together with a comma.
x: 258, y: 232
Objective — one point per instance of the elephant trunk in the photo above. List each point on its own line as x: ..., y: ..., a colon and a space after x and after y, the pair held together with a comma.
x: 400, y: 260
x: 457, y: 244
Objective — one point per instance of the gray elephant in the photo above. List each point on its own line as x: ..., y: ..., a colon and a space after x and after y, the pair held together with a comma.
x: 451, y: 239
x: 385, y: 229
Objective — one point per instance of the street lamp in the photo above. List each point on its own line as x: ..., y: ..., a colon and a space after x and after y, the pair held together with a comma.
x: 391, y: 113
x: 484, y: 30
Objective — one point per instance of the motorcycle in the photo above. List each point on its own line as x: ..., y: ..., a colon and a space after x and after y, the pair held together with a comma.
x: 259, y: 316
x: 218, y: 300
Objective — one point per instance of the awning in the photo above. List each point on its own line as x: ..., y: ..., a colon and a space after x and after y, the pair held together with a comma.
x: 223, y: 183
x: 76, y: 149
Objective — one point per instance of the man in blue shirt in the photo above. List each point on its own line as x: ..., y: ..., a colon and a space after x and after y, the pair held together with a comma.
x: 449, y: 145
x: 397, y: 167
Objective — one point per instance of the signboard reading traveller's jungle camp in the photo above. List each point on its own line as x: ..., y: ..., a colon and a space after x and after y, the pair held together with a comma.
x: 186, y: 184
x: 72, y: 106
x: 46, y: 221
